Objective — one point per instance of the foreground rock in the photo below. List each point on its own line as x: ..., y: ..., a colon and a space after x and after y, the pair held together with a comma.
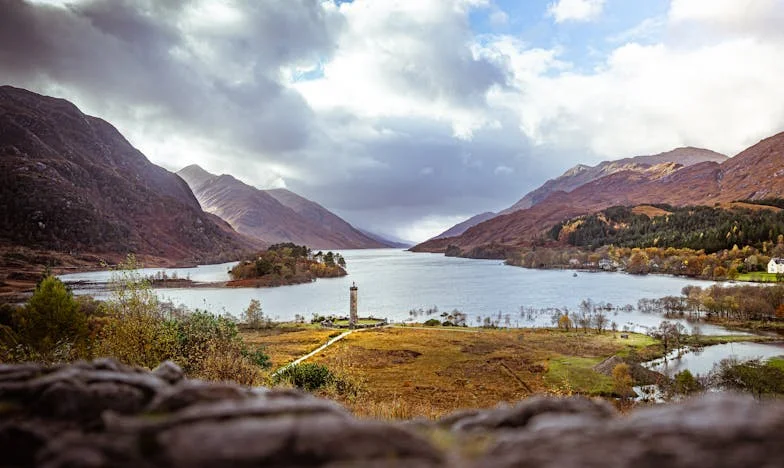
x: 105, y: 414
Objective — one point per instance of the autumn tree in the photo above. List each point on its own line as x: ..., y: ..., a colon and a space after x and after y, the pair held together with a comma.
x: 622, y: 378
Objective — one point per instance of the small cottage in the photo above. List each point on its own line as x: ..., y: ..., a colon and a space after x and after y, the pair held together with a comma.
x: 776, y: 265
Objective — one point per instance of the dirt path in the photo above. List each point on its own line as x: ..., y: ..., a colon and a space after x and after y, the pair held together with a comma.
x: 321, y: 348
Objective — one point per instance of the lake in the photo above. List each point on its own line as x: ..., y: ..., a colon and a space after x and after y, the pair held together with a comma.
x: 392, y: 282
x: 701, y: 361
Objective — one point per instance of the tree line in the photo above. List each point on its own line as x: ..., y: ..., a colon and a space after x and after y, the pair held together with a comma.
x: 710, y: 229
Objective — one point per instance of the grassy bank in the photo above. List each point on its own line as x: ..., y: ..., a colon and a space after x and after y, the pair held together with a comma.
x: 758, y: 277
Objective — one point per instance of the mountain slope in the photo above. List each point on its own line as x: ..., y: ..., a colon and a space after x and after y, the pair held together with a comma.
x: 460, y: 228
x: 582, y: 174
x: 755, y: 173
x: 71, y: 182
x: 272, y: 216
x: 349, y: 236
x: 390, y: 241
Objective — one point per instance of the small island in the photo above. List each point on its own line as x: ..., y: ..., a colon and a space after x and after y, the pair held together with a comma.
x: 286, y: 264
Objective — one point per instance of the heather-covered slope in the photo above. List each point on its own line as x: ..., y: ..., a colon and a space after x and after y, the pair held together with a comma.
x: 71, y: 182
x: 756, y: 173
x: 582, y: 174
x: 272, y: 216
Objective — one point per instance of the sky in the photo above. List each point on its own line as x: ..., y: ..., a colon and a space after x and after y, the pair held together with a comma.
x: 406, y: 116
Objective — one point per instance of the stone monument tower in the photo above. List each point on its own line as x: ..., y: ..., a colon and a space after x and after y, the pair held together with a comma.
x: 352, y: 321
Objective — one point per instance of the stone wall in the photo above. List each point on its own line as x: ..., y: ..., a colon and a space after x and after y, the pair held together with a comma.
x: 103, y: 414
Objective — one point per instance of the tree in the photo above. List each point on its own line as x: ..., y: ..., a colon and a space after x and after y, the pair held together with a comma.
x: 253, y: 315
x: 600, y: 321
x: 670, y: 335
x: 137, y: 331
x: 685, y: 383
x: 564, y: 322
x: 52, y: 318
x: 622, y: 378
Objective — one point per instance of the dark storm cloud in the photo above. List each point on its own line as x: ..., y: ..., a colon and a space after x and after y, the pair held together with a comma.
x: 194, y: 78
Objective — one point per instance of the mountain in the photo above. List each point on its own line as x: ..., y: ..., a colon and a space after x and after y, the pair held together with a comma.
x: 273, y: 216
x: 756, y: 173
x: 462, y: 227
x: 391, y: 241
x: 581, y: 174
x: 71, y: 182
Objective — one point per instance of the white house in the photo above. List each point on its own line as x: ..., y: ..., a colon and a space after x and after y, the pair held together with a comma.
x: 776, y: 265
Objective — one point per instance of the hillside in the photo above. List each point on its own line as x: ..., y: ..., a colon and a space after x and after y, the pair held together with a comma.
x: 460, y: 228
x: 70, y: 182
x: 581, y: 174
x: 273, y: 216
x: 756, y: 173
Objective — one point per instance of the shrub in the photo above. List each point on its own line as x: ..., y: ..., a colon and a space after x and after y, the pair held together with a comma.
x: 200, y: 333
x: 52, y: 321
x: 685, y: 383
x: 228, y: 365
x: 259, y: 357
x: 136, y: 331
x: 306, y: 376
x: 432, y: 323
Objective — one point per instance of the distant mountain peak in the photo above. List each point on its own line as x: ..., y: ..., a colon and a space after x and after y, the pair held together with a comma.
x: 275, y: 215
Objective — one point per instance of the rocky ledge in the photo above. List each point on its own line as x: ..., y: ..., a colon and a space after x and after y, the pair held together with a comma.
x: 105, y: 414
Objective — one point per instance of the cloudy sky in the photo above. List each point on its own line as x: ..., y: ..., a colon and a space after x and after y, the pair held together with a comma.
x: 405, y: 116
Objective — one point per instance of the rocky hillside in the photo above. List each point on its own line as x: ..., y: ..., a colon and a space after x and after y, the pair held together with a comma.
x: 755, y: 173
x: 273, y: 216
x: 103, y: 414
x: 581, y: 174
x: 71, y: 182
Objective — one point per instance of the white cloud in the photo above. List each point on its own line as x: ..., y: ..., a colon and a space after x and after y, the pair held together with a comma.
x: 734, y: 13
x: 575, y: 10
x: 720, y: 92
x: 429, y: 227
x: 503, y: 170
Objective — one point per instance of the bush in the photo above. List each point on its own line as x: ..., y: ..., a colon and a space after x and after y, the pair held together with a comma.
x: 306, y: 376
x: 259, y: 357
x: 685, y: 383
x: 200, y: 333
x: 432, y: 323
x: 136, y: 331
x: 228, y: 365
x: 52, y: 321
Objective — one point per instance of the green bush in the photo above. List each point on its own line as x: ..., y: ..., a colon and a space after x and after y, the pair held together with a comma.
x: 51, y: 322
x: 685, y: 383
x: 306, y: 376
x: 432, y: 323
x: 259, y: 357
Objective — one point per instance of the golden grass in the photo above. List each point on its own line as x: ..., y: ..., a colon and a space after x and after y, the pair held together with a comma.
x: 412, y: 372
x: 286, y: 343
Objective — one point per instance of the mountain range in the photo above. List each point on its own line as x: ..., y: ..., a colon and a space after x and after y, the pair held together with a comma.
x: 702, y: 178
x: 581, y: 174
x: 72, y: 182
x: 273, y: 216
x: 73, y: 186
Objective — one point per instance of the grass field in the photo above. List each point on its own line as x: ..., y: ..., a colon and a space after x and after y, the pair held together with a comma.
x: 287, y: 342
x: 758, y: 277
x: 408, y: 372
